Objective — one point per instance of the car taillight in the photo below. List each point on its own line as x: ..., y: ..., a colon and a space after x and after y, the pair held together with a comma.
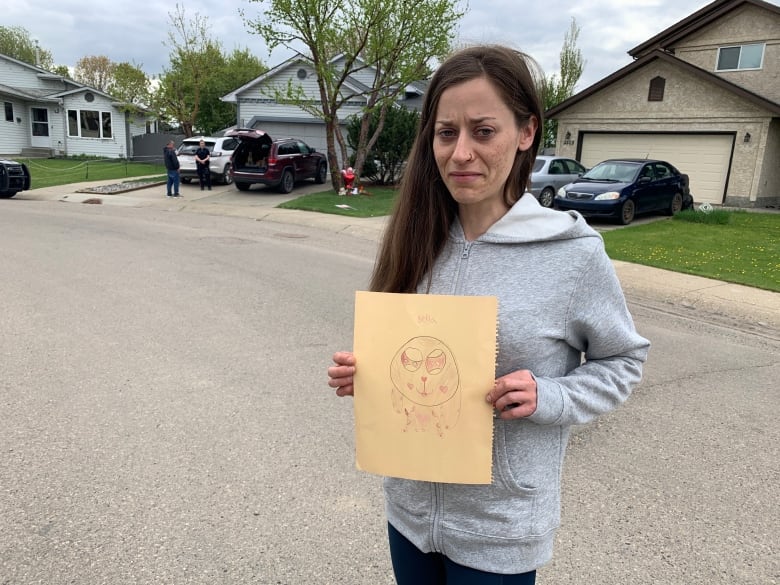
x: 272, y: 161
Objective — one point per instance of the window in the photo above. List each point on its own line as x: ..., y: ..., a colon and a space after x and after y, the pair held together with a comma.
x: 740, y: 57
x: 574, y: 167
x: 89, y: 124
x: 9, y: 112
x: 656, y: 91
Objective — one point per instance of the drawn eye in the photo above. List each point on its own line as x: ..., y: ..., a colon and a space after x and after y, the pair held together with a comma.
x: 411, y: 359
x: 435, y: 362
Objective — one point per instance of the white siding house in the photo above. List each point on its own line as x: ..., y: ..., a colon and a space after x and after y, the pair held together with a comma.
x: 45, y: 114
x: 257, y: 108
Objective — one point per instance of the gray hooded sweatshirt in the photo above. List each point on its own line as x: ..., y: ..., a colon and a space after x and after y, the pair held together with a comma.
x: 561, y: 315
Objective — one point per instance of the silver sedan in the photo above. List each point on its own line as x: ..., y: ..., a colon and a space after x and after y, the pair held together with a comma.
x: 550, y: 173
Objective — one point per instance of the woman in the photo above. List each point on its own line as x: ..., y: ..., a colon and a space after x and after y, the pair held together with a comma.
x: 568, y: 350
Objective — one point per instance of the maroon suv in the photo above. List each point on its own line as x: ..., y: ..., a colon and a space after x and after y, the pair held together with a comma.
x: 276, y: 163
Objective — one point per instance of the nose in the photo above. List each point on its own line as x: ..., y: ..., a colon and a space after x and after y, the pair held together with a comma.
x: 463, y: 149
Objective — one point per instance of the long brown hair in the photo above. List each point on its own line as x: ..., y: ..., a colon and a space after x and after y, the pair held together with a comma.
x: 424, y: 208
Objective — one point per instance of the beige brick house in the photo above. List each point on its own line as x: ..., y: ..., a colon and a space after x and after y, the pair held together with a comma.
x: 703, y: 94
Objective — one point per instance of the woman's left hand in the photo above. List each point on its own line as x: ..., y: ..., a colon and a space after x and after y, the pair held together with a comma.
x: 514, y: 395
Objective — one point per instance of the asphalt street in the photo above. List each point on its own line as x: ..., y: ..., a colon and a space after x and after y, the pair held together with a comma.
x: 166, y: 418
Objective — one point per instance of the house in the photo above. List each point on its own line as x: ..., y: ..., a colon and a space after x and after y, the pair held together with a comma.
x: 703, y: 94
x: 45, y: 114
x: 257, y: 106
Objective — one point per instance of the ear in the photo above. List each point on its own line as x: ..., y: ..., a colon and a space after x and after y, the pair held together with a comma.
x: 527, y: 133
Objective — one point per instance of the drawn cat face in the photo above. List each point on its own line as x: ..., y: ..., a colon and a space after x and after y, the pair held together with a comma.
x: 425, y: 372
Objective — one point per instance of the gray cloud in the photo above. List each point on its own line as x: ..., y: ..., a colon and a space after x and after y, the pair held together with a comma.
x: 128, y: 30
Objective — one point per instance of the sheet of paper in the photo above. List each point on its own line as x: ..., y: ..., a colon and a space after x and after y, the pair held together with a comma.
x: 424, y: 366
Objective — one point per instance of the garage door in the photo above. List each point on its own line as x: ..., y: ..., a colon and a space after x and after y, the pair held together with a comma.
x: 311, y: 134
x: 705, y: 158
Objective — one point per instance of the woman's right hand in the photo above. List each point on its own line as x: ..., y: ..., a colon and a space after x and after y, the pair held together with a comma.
x: 340, y: 375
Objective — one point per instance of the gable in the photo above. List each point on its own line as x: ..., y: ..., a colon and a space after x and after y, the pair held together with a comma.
x: 746, y: 25
x: 672, y: 36
x: 299, y: 72
x: 683, y: 69
x: 684, y: 96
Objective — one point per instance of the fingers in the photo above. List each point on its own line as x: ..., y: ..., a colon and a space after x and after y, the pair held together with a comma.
x: 514, y: 395
x: 340, y: 375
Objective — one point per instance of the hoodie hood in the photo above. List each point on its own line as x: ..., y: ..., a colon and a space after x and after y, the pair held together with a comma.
x: 527, y: 221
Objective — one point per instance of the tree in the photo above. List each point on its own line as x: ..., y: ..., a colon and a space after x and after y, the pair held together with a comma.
x: 15, y: 41
x: 62, y: 71
x: 558, y: 88
x: 130, y: 84
x: 235, y: 70
x: 385, y: 160
x: 95, y: 71
x: 396, y: 39
x: 194, y: 60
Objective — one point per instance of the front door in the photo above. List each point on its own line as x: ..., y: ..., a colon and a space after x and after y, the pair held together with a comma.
x: 40, y: 128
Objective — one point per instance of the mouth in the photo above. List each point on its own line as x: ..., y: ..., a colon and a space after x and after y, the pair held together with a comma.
x: 463, y: 176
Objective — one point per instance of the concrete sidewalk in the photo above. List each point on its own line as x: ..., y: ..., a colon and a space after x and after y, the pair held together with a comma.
x: 679, y: 293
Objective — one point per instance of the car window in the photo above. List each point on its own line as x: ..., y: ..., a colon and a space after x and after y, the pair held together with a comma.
x: 303, y: 147
x: 538, y: 164
x: 662, y: 171
x: 288, y: 148
x: 557, y: 168
x: 191, y: 147
x: 574, y: 167
x: 647, y: 171
x: 623, y: 172
x: 229, y: 144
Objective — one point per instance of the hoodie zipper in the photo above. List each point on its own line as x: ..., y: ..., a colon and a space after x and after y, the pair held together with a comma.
x: 464, y: 258
x: 436, y: 544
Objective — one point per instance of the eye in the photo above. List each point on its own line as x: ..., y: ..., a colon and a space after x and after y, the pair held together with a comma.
x: 484, y: 132
x: 435, y: 362
x: 411, y: 359
x: 445, y: 133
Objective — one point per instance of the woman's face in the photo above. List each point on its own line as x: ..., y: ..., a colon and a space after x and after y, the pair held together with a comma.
x: 475, y: 141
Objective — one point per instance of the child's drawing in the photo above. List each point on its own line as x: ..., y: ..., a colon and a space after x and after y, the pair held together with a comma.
x: 425, y: 385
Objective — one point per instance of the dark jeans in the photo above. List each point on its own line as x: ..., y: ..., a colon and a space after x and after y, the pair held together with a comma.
x: 414, y: 567
x: 204, y: 177
x: 173, y: 183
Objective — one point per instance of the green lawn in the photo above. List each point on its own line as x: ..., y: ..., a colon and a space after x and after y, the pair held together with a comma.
x: 48, y: 172
x: 740, y: 247
x: 376, y: 202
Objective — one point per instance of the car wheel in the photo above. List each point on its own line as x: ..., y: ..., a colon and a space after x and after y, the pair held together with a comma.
x: 8, y: 194
x: 675, y: 205
x: 322, y: 174
x: 627, y: 212
x: 227, y: 178
x: 186, y: 180
x: 287, y: 183
x: 546, y: 197
x: 242, y: 186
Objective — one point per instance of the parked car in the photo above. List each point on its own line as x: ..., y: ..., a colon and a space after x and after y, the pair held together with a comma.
x: 14, y: 177
x: 221, y: 149
x: 550, y: 173
x: 623, y: 188
x: 276, y: 163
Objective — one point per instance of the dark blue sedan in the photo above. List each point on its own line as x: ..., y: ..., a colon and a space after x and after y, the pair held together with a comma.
x: 620, y: 189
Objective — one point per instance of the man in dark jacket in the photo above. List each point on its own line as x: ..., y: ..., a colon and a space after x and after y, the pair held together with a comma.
x: 172, y: 164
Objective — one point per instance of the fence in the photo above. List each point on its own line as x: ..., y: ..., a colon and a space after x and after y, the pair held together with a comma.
x: 149, y: 147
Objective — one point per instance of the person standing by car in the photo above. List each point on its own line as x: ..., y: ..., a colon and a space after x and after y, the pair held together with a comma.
x: 568, y: 350
x: 172, y: 166
x: 202, y: 158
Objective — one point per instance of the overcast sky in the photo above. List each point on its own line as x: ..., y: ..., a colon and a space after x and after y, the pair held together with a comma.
x: 133, y: 31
